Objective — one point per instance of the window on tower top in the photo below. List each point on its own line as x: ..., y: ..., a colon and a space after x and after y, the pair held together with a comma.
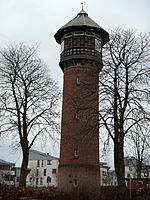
x: 89, y: 34
x: 62, y: 47
x: 79, y: 33
x: 68, y: 35
x: 97, y: 45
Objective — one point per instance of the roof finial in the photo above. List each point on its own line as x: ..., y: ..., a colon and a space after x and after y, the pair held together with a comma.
x: 82, y: 5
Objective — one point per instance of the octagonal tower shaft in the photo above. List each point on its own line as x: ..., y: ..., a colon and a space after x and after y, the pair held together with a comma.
x: 81, y: 42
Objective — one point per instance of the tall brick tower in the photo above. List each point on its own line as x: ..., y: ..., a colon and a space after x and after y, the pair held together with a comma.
x: 81, y: 42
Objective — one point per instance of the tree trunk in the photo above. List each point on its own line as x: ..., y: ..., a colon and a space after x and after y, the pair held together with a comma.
x: 139, y: 168
x: 119, y: 163
x: 120, y: 170
x: 24, y: 165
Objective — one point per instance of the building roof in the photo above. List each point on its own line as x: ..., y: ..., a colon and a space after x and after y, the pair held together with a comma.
x: 82, y: 22
x: 82, y: 19
x: 104, y: 165
x: 37, y: 155
x: 3, y: 162
x: 112, y: 173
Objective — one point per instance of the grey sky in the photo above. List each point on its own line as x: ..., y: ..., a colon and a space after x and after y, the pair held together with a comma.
x: 36, y: 21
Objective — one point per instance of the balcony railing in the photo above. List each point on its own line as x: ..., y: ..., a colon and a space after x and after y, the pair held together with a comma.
x: 80, y: 52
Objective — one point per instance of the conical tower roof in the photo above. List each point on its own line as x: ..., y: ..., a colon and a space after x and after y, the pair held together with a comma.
x: 82, y: 22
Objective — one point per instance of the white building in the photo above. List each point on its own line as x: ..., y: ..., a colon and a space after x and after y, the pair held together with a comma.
x: 43, y: 169
x: 130, y: 167
x: 7, y: 173
x: 17, y: 175
x: 131, y: 171
x: 104, y: 174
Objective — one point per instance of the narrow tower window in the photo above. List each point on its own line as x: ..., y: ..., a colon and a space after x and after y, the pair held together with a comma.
x: 78, y: 81
x: 76, y: 153
x: 75, y: 183
x: 77, y: 116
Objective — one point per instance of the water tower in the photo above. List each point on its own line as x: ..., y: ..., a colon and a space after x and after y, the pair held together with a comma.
x: 81, y: 41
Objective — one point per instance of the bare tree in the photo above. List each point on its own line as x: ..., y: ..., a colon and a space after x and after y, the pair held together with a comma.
x: 124, y: 89
x: 139, y: 141
x: 29, y: 99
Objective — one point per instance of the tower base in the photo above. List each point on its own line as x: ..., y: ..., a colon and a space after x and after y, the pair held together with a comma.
x: 79, y: 178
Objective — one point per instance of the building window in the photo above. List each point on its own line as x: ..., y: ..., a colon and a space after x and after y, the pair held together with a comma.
x: 75, y: 183
x: 48, y: 162
x: 30, y: 180
x: 38, y: 163
x: 130, y: 168
x: 53, y: 171
x: 41, y: 181
x: 44, y: 172
x: 78, y: 81
x: 37, y: 172
x: 37, y: 181
x: 42, y: 164
x: 76, y: 153
x: 48, y: 179
x: 128, y: 175
x: 18, y: 178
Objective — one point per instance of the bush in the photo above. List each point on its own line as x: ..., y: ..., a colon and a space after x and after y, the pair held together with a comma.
x: 107, y: 193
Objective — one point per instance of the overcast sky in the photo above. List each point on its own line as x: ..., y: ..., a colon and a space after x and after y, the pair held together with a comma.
x: 36, y: 21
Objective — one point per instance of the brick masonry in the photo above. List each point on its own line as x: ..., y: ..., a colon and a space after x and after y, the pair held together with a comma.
x: 80, y: 129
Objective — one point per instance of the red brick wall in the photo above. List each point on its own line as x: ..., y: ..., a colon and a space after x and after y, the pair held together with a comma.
x: 88, y: 178
x: 82, y: 133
